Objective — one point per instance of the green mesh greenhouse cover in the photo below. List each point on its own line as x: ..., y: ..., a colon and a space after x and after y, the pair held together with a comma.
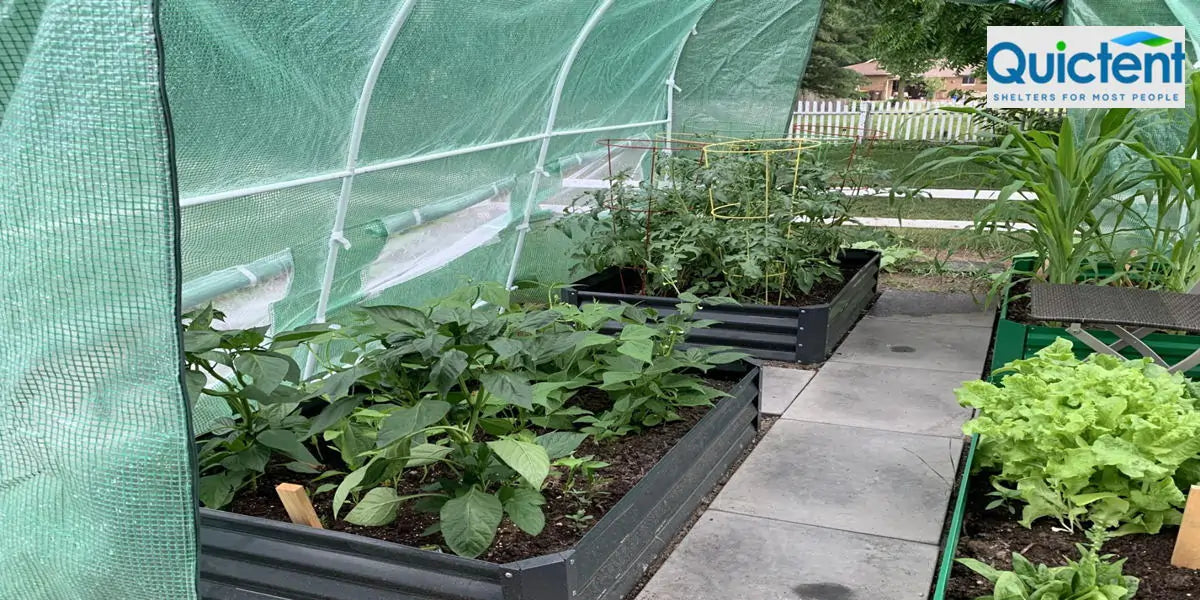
x: 286, y: 159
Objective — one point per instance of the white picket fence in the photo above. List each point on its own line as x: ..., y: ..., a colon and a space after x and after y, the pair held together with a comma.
x: 884, y: 120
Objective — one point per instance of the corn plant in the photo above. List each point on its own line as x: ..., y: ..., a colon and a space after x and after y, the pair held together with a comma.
x: 1080, y: 182
x: 1170, y: 254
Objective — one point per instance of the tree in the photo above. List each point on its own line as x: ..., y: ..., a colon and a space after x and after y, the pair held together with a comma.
x: 909, y: 37
x: 841, y: 40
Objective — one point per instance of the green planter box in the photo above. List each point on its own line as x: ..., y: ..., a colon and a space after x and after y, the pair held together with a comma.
x: 1015, y: 340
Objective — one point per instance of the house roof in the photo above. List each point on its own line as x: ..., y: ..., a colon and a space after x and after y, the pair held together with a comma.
x: 871, y: 68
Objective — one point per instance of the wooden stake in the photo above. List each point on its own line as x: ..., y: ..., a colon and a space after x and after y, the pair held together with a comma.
x: 299, y: 507
x: 1187, y: 545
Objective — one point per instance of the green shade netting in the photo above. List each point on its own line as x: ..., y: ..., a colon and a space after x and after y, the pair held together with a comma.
x: 742, y: 69
x: 305, y: 130
x: 96, y: 496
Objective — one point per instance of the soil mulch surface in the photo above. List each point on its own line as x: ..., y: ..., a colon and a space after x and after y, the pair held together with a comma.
x: 992, y: 537
x: 629, y: 457
x: 823, y: 291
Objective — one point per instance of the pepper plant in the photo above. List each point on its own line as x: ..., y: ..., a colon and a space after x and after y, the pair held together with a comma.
x: 478, y: 400
x: 260, y: 387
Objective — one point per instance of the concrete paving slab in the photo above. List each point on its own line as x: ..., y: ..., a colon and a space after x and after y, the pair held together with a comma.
x: 933, y: 307
x: 891, y: 343
x: 861, y: 480
x: 781, y: 386
x: 734, y: 557
x: 890, y: 398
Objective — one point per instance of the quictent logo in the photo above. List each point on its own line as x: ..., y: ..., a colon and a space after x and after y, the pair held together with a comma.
x: 1086, y: 67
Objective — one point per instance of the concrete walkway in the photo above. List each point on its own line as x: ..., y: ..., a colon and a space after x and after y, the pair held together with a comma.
x: 844, y: 498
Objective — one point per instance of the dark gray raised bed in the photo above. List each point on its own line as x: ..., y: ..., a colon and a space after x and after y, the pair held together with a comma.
x: 249, y: 558
x: 807, y: 334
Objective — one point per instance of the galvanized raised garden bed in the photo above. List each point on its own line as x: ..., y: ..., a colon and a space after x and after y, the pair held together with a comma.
x: 807, y: 334
x: 249, y: 558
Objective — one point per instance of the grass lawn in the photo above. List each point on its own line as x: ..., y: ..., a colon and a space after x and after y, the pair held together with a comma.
x: 895, y: 157
x: 917, y: 208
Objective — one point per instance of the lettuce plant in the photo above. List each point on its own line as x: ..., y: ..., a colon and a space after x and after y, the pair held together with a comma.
x: 1102, y: 440
x: 1092, y: 577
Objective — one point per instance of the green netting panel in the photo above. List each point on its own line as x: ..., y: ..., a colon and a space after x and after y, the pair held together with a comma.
x: 621, y: 72
x: 356, y: 141
x: 96, y: 494
x: 744, y: 65
x: 265, y: 91
x: 471, y: 74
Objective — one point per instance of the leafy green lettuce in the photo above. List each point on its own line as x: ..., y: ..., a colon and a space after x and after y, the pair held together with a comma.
x: 1103, y: 440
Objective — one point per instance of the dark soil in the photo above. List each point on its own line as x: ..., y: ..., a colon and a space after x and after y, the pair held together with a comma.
x: 1019, y: 304
x: 824, y: 291
x: 567, y: 514
x: 992, y: 537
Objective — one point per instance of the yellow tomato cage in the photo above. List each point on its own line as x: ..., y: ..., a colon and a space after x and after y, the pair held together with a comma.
x: 768, y: 150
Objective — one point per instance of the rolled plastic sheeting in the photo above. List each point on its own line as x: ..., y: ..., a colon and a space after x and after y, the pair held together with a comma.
x: 219, y: 283
x: 557, y: 166
x: 399, y: 223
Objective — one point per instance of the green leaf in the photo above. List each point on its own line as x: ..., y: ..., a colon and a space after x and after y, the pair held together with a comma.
x: 299, y: 467
x: 1009, y: 587
x: 642, y: 350
x: 333, y: 413
x: 195, y: 385
x: 615, y: 378
x: 446, y: 370
x: 634, y: 332
x: 196, y: 341
x: 390, y: 317
x: 267, y: 370
x: 299, y: 335
x: 524, y: 510
x: 348, y: 484
x: 253, y: 459
x: 338, y: 384
x: 560, y: 443
x: 508, y: 386
x: 404, y: 422
x: 469, y: 522
x: 286, y: 442
x: 590, y: 339
x: 725, y: 357
x: 987, y: 571
x: 506, y: 347
x: 426, y: 454
x: 543, y: 389
x: 216, y: 491
x: 378, y: 507
x: 529, y: 460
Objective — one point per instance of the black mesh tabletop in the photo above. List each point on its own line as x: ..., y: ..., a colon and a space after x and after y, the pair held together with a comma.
x: 1116, y: 305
